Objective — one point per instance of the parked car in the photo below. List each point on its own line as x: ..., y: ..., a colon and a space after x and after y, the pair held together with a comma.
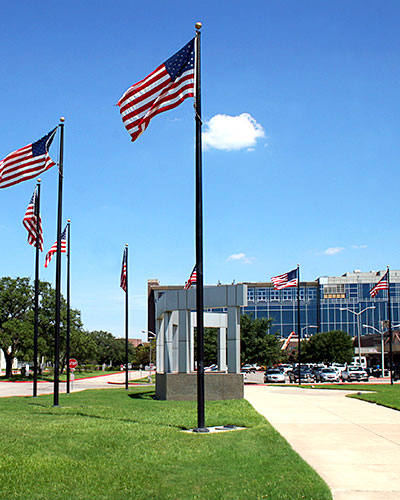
x: 327, y: 375
x: 248, y: 369
x: 274, y: 375
x: 306, y: 375
x: 354, y: 374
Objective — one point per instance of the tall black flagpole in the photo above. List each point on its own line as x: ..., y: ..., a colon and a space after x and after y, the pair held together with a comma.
x: 36, y: 327
x: 67, y: 353
x: 126, y: 319
x: 58, y: 269
x: 298, y: 322
x: 199, y: 243
x: 390, y: 330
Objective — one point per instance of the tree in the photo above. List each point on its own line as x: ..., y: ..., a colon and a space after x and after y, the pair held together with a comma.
x: 257, y: 345
x: 331, y: 347
x: 16, y: 329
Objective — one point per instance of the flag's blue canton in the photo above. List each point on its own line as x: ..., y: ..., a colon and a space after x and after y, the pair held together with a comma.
x: 181, y: 61
x: 292, y: 275
x: 41, y: 146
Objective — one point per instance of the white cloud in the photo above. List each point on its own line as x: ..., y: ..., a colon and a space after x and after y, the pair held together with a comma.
x: 232, y: 133
x: 242, y: 257
x: 359, y: 246
x: 333, y: 250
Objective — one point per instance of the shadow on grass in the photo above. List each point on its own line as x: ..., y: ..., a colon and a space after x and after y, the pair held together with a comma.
x: 142, y: 395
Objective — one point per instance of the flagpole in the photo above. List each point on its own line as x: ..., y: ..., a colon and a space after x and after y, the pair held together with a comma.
x: 58, y: 269
x: 199, y: 243
x: 298, y: 322
x: 126, y: 318
x: 67, y: 354
x: 390, y: 330
x: 36, y: 326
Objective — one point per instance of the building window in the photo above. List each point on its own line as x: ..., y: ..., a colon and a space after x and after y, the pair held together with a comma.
x: 250, y: 294
x: 261, y: 295
x: 334, y: 292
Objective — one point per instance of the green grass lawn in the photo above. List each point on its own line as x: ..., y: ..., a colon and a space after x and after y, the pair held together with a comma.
x: 117, y: 444
x: 382, y: 394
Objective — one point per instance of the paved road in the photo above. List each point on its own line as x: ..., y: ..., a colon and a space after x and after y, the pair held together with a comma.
x: 8, y: 389
x: 353, y: 445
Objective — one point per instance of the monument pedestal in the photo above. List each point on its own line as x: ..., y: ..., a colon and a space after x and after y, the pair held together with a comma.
x: 183, y: 386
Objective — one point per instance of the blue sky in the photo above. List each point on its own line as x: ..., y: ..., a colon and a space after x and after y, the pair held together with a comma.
x: 300, y: 103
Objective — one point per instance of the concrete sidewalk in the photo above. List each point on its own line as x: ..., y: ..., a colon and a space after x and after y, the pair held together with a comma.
x: 9, y: 389
x: 353, y: 445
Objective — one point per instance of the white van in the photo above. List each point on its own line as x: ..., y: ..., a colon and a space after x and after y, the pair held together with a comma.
x: 360, y: 360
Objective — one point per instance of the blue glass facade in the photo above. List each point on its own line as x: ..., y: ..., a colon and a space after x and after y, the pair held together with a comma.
x: 322, y: 305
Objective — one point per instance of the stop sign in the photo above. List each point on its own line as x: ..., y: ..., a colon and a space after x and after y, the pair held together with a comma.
x: 73, y: 363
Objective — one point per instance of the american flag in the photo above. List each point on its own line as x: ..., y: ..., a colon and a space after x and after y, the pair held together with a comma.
x: 285, y: 280
x: 163, y: 89
x: 30, y: 222
x: 53, y: 249
x: 27, y: 162
x: 192, y: 279
x: 123, y: 272
x: 383, y: 284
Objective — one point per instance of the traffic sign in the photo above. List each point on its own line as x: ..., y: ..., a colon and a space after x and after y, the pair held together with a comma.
x: 73, y: 363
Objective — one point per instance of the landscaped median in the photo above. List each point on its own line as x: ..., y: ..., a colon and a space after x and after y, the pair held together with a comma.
x: 105, y: 444
x: 381, y: 394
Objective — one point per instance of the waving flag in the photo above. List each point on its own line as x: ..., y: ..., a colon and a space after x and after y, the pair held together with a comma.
x: 286, y: 280
x: 27, y: 162
x: 165, y: 88
x: 30, y: 222
x: 382, y: 284
x: 53, y: 249
x: 123, y: 272
x: 192, y: 279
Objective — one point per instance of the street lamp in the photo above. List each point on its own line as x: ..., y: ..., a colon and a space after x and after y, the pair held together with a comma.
x: 358, y: 314
x: 382, y: 347
x: 149, y: 332
x: 307, y: 326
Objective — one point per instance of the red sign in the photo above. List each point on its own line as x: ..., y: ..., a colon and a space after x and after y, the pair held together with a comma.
x: 73, y: 363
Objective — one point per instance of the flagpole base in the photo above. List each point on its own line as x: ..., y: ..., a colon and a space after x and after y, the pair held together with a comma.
x: 201, y: 430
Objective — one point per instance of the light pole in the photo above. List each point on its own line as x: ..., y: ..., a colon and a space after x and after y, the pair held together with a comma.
x: 382, y: 347
x: 307, y: 326
x: 358, y: 314
x: 154, y: 336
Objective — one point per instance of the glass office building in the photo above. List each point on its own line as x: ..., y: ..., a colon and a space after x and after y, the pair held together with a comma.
x: 326, y: 304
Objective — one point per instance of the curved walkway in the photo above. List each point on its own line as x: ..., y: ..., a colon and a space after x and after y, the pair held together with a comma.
x: 353, y: 445
x: 8, y: 389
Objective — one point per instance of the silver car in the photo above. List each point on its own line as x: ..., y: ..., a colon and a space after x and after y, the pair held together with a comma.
x: 273, y: 375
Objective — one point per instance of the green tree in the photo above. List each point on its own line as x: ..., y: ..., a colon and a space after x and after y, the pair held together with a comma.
x: 16, y: 329
x: 257, y: 345
x: 331, y: 347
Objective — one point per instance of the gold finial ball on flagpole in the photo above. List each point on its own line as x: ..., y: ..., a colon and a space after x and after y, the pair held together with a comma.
x: 69, y: 220
x: 39, y: 180
x: 62, y: 119
x: 126, y: 244
x: 198, y: 25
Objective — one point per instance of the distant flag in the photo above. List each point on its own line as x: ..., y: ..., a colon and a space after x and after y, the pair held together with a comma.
x: 30, y: 222
x: 163, y: 89
x: 123, y: 271
x: 192, y: 279
x: 383, y: 284
x: 27, y: 162
x: 53, y: 249
x: 286, y: 280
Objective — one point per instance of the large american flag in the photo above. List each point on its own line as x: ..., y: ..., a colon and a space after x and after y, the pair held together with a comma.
x: 286, y: 280
x: 165, y: 88
x: 53, y: 249
x: 192, y: 279
x: 27, y: 162
x: 123, y: 272
x: 383, y: 284
x: 30, y: 222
